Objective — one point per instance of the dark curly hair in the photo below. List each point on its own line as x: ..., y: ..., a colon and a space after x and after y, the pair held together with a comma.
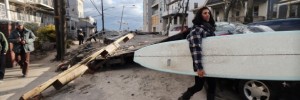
x: 198, y: 20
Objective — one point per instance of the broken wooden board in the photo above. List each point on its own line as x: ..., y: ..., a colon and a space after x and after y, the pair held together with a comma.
x: 103, y: 52
x: 70, y: 76
x: 125, y: 52
x: 108, y: 50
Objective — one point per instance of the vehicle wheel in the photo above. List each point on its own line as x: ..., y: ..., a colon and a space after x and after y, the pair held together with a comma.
x: 257, y: 90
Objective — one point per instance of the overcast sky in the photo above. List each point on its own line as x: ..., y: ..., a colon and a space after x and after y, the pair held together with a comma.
x: 132, y: 15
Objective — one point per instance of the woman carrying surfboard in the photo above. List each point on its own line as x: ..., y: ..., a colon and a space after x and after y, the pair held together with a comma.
x: 204, y: 26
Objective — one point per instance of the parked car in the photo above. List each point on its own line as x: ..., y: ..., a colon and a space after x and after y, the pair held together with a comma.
x: 280, y: 24
x: 226, y: 28
x: 260, y: 28
x: 176, y: 30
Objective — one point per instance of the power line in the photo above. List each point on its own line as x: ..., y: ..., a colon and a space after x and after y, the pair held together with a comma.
x: 95, y: 7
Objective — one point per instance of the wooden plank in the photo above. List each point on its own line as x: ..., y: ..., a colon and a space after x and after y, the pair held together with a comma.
x: 108, y: 50
x: 37, y: 90
x: 70, y: 76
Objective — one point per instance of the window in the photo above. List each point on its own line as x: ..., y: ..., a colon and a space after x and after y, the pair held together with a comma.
x: 19, y: 16
x: 175, y: 20
x: 67, y: 4
x: 237, y: 13
x: 195, y: 5
x: 293, y: 11
x: 255, y: 11
x: 45, y: 2
x: 73, y: 28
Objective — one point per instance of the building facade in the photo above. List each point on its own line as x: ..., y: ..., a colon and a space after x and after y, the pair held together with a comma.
x: 27, y: 11
x: 161, y: 14
x: 74, y: 13
x: 238, y: 10
x: 262, y: 10
x: 287, y: 9
x: 174, y: 14
x: 147, y: 16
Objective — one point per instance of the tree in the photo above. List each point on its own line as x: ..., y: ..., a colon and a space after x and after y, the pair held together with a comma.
x: 228, y: 6
x: 180, y: 4
x: 249, y: 13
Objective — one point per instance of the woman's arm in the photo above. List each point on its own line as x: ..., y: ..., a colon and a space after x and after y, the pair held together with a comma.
x: 195, y: 41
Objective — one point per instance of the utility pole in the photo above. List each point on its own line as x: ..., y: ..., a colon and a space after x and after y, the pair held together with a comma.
x: 60, y: 15
x: 57, y: 21
x: 121, y: 18
x: 63, y: 28
x: 102, y: 17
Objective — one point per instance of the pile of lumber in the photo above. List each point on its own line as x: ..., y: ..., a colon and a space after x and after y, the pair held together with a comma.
x: 76, y: 70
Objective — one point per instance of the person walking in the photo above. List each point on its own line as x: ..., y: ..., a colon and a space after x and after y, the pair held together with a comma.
x: 204, y: 26
x: 80, y: 36
x: 94, y: 36
x: 3, y: 50
x: 23, y: 43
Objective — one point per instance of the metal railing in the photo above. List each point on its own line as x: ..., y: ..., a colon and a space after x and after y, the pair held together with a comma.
x: 16, y: 16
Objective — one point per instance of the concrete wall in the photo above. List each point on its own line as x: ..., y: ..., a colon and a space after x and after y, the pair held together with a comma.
x: 75, y: 8
x: 147, y: 15
x: 80, y: 9
x: 263, y: 9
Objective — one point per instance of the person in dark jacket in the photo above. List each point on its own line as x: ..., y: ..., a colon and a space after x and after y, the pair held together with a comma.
x: 3, y: 50
x: 204, y: 26
x: 23, y: 43
x: 80, y: 36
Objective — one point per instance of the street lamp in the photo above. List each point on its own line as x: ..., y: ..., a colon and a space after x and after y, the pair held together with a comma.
x: 122, y: 16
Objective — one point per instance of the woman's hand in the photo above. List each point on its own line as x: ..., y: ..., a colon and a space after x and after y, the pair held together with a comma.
x: 200, y: 72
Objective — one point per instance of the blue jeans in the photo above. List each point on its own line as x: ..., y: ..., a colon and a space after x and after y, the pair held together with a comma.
x: 2, y: 66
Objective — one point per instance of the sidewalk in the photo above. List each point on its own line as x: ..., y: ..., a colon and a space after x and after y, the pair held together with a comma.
x: 15, y: 85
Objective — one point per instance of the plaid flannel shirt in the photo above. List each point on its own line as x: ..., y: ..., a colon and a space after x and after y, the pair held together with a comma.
x: 195, y: 43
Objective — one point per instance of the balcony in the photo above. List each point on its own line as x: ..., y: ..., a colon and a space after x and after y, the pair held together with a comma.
x: 171, y: 12
x: 155, y: 3
x: 21, y: 2
x: 170, y: 2
x: 41, y: 4
x: 15, y: 16
x: 44, y: 4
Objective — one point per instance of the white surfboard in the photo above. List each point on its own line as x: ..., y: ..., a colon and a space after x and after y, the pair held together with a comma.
x: 259, y: 56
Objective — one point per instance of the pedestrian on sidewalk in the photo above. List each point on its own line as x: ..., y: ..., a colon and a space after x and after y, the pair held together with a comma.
x: 92, y: 36
x: 23, y: 43
x: 80, y: 36
x: 204, y: 26
x: 3, y: 50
